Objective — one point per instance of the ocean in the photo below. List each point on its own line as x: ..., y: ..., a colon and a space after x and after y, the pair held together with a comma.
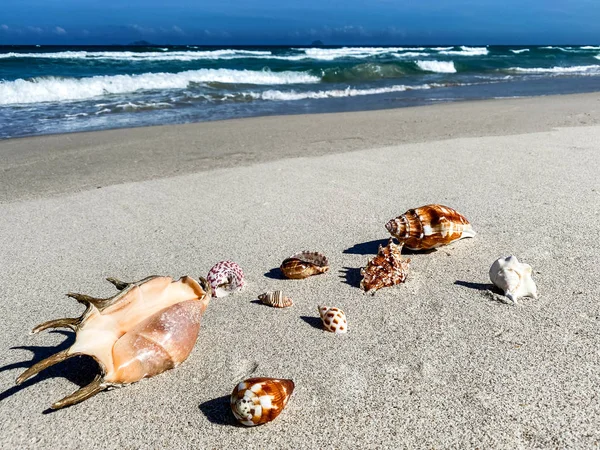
x: 50, y: 89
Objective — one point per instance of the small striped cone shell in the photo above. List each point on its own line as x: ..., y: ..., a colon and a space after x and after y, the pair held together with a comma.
x: 334, y: 319
x: 225, y: 277
x: 275, y: 299
x: 304, y: 264
x: 259, y: 400
x: 429, y: 227
x: 386, y: 269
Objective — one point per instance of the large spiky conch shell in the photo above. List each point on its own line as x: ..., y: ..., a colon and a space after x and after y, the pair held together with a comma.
x: 259, y: 400
x: 429, y: 227
x: 386, y: 269
x: 513, y: 277
x: 304, y: 264
x: 150, y: 326
x: 226, y: 277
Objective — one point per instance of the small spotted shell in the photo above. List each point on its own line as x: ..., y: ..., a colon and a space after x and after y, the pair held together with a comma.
x: 225, y: 277
x: 304, y: 264
x: 259, y: 400
x: 334, y: 319
x: 275, y: 299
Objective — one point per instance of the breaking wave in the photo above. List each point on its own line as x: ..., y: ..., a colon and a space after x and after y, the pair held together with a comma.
x: 437, y: 66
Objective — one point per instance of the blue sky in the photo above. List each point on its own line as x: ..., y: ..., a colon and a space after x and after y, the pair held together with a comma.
x: 300, y: 22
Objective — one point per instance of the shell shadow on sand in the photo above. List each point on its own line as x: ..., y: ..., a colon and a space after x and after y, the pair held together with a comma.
x: 487, y: 290
x: 314, y: 322
x: 351, y: 276
x: 275, y: 274
x: 372, y: 247
x: 78, y: 370
x: 218, y: 411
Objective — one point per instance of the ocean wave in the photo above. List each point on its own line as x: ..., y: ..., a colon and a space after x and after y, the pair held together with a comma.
x: 436, y: 66
x: 329, y: 54
x: 592, y: 69
x: 466, y: 51
x: 523, y: 50
x: 410, y: 54
x: 164, y: 55
x: 49, y: 89
x: 363, y: 72
x: 590, y: 47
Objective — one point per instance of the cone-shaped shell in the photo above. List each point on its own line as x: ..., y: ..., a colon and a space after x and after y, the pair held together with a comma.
x: 304, y: 264
x: 226, y: 277
x: 513, y: 277
x: 429, y: 227
x: 150, y: 326
x: 275, y: 299
x: 259, y: 400
x: 333, y: 319
x: 386, y: 269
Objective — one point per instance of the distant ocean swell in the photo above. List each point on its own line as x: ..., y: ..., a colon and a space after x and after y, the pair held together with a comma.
x: 62, y: 89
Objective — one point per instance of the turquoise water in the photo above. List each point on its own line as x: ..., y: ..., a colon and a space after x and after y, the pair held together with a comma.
x: 64, y: 89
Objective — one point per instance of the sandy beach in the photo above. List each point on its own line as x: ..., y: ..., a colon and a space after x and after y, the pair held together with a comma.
x: 442, y: 361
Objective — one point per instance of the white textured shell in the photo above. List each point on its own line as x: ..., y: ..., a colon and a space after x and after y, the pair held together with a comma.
x: 275, y: 299
x: 514, y: 278
x: 225, y: 277
x: 333, y: 319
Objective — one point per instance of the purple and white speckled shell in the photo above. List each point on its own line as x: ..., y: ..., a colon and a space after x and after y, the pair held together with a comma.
x: 225, y: 278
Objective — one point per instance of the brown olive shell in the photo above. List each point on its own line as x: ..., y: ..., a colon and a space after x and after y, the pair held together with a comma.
x: 304, y: 264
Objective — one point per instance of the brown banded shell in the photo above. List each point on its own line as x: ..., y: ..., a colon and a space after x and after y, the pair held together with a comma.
x: 259, y: 400
x: 386, y: 269
x: 304, y: 264
x: 333, y: 319
x: 150, y: 326
x: 429, y: 226
x: 275, y: 299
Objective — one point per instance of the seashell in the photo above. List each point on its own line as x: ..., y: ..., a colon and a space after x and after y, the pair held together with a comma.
x: 304, y: 264
x: 386, y: 269
x: 275, y: 299
x: 429, y: 227
x: 225, y: 277
x: 334, y: 319
x: 513, y: 277
x: 259, y: 400
x: 150, y: 326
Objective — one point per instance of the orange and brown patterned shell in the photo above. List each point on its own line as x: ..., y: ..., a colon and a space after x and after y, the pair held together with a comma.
x: 259, y: 400
x: 429, y: 227
x: 304, y: 264
x: 275, y: 299
x: 333, y: 319
x: 386, y: 269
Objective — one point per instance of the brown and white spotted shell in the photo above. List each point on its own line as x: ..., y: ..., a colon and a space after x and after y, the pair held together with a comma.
x: 429, y: 227
x: 386, y: 269
x: 150, y: 326
x: 259, y: 400
x: 275, y: 299
x: 304, y: 264
x: 333, y: 319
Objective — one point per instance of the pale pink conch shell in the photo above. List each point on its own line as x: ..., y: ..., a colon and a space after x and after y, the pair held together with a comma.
x: 333, y: 319
x: 259, y: 400
x: 150, y: 326
x: 225, y: 277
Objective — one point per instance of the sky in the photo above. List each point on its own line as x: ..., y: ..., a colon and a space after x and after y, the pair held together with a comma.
x: 334, y: 22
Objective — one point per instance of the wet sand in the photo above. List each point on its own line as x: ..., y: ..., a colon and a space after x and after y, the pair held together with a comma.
x: 441, y: 361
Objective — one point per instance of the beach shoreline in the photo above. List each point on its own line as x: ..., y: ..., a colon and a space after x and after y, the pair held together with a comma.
x: 441, y: 361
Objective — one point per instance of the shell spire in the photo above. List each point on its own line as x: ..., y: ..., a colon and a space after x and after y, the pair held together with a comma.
x: 386, y: 269
x: 150, y: 326
x: 429, y: 226
x: 256, y: 401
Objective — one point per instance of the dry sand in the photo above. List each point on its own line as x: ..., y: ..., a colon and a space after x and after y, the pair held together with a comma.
x: 439, y: 362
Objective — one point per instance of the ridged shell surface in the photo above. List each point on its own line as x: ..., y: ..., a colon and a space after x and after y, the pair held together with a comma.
x: 275, y: 299
x: 259, y: 400
x: 429, y: 226
x: 513, y: 277
x: 386, y: 269
x: 333, y: 319
x: 226, y: 277
x: 304, y: 264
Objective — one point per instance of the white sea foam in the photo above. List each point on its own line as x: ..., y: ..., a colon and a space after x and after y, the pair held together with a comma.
x: 590, y: 47
x: 49, y: 89
x: 590, y: 70
x: 436, y: 66
x: 333, y: 93
x: 466, y: 51
x: 409, y: 54
x: 140, y: 56
x: 523, y: 50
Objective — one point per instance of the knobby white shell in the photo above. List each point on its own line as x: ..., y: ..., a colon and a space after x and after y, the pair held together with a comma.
x: 333, y: 319
x: 514, y: 278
